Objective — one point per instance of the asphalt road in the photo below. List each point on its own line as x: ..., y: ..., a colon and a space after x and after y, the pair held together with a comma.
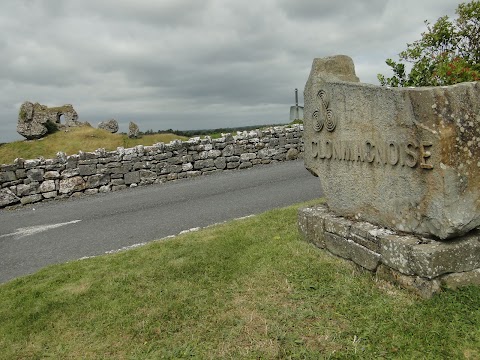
x: 41, y: 234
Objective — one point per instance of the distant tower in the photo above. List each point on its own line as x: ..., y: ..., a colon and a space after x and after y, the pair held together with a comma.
x: 296, y: 112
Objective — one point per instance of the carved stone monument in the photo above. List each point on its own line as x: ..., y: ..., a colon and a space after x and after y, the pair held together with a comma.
x: 391, y: 162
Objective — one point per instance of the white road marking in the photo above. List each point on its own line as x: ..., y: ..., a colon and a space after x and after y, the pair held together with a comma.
x: 32, y: 230
x: 125, y: 248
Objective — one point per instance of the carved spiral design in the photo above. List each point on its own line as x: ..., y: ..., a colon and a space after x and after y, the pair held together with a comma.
x: 330, y: 122
x: 324, y: 115
x: 317, y: 121
x: 322, y: 95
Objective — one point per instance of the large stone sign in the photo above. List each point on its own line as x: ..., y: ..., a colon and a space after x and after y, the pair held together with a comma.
x: 404, y: 158
x: 36, y: 120
x: 400, y: 168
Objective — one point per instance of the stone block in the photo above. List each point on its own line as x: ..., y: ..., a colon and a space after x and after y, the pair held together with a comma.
x: 213, y: 154
x: 457, y: 280
x: 247, y: 157
x: 311, y: 225
x: 47, y: 186
x: 441, y: 257
x: 147, y: 175
x: 91, y: 191
x: 8, y: 167
x: 367, y: 234
x: 21, y: 174
x: 292, y: 154
x: 7, y: 197
x: 187, y: 167
x: 137, y: 165
x: 102, y: 169
x: 416, y: 263
x: 30, y: 164
x: 192, y: 174
x: 396, y: 252
x: 117, y: 182
x: 423, y: 287
x: 50, y: 195
x: 187, y: 158
x: 105, y: 188
x: 51, y: 175
x: 123, y: 169
x: 35, y: 174
x: 7, y: 176
x: 229, y: 150
x: 77, y: 195
x: 175, y: 160
x: 132, y: 178
x: 233, y: 165
x: 337, y: 225
x: 244, y: 165
x: 163, y: 156
x: 89, y: 161
x: 113, y: 164
x: 201, y: 164
x: 167, y: 169
x: 86, y: 170
x: 350, y: 250
x: 202, y: 155
x: 233, y: 159
x: 266, y: 153
x: 71, y: 185
x: 97, y: 180
x: 68, y: 173
x: 31, y: 199
x: 27, y: 189
x: 403, y: 158
x: 72, y: 162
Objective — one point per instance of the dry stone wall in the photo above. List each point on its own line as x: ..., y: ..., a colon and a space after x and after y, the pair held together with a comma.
x: 29, y: 181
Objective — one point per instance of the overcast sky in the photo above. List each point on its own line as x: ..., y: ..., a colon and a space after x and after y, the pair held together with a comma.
x: 190, y: 64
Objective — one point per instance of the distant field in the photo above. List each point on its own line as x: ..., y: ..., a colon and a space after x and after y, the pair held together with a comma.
x: 76, y: 139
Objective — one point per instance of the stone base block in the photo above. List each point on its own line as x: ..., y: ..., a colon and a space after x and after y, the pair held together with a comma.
x: 423, y: 265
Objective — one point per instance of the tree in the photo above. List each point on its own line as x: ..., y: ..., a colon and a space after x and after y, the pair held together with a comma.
x: 447, y: 53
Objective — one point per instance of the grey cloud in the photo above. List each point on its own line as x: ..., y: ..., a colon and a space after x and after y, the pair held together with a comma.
x: 189, y: 63
x: 315, y: 10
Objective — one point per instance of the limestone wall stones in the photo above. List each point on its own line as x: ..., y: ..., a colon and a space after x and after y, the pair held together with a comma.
x: 404, y: 158
x: 27, y: 181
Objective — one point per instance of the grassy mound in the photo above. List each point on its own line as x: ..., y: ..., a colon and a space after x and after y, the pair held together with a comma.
x: 74, y: 140
x: 243, y: 290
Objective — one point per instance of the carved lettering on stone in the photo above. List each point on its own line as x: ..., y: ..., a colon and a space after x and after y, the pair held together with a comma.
x: 403, y: 158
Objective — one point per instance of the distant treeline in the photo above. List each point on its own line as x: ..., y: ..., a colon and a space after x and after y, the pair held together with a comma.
x: 203, y: 132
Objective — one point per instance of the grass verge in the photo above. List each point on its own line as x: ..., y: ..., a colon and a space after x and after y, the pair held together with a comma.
x: 247, y: 289
x: 76, y: 139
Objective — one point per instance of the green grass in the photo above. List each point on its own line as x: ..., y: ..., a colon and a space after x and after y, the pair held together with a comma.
x: 76, y: 139
x: 249, y: 289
